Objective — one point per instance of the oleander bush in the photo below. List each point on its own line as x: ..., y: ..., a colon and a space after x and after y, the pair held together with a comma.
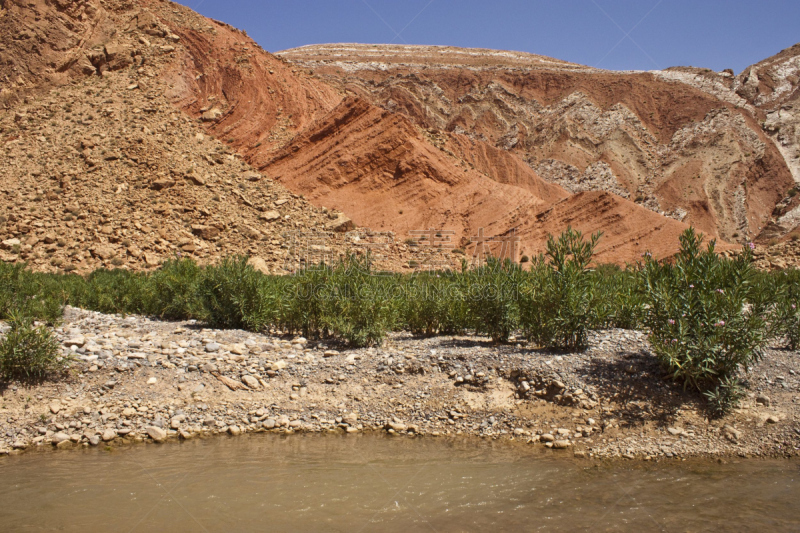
x: 113, y: 291
x: 492, y: 298
x: 304, y: 306
x: 616, y: 300
x: 363, y: 304
x: 435, y: 303
x: 173, y: 291
x: 557, y: 296
x: 783, y: 289
x: 235, y: 295
x: 705, y: 316
x: 29, y: 352
x: 29, y: 294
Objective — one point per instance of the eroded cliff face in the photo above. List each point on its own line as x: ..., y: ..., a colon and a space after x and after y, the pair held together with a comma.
x: 686, y: 149
x: 388, y: 174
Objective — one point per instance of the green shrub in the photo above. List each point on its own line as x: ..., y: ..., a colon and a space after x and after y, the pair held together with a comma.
x: 722, y: 398
x: 616, y: 301
x: 114, y: 291
x: 786, y: 314
x: 29, y: 294
x: 305, y: 305
x: 703, y: 324
x: 492, y: 298
x: 363, y: 305
x: 235, y: 295
x: 556, y: 299
x: 173, y: 291
x: 435, y: 303
x: 29, y: 352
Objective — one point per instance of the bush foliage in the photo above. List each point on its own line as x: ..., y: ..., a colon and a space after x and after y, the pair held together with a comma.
x: 708, y: 317
x: 557, y: 297
x: 705, y: 315
x: 29, y: 352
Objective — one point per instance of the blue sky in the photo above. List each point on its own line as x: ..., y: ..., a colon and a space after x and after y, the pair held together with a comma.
x: 612, y: 34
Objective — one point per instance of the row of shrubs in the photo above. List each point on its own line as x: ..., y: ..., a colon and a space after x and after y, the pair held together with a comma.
x: 708, y: 316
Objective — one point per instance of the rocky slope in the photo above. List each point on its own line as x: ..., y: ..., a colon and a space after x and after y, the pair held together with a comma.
x: 385, y: 174
x: 135, y: 380
x: 667, y: 145
x: 106, y: 172
x: 98, y: 166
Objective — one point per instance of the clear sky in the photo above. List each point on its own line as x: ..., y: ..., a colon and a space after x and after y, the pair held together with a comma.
x: 612, y: 34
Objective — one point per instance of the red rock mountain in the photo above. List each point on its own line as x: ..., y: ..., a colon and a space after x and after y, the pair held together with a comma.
x: 398, y: 138
x: 671, y: 146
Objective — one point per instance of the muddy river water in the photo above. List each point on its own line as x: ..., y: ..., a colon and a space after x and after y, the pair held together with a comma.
x: 372, y: 483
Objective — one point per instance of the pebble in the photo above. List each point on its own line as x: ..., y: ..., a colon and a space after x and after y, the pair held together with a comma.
x: 156, y: 433
x: 59, y: 437
x: 251, y: 382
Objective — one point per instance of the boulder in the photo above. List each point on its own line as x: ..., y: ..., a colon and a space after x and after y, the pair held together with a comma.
x: 340, y: 224
x: 8, y: 244
x: 103, y: 252
x: 195, y: 178
x: 269, y: 216
x: 205, y: 232
x: 259, y: 264
x: 118, y: 56
x: 162, y: 183
x: 212, y: 115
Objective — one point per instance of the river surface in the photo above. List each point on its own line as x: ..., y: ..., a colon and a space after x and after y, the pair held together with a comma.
x: 372, y: 483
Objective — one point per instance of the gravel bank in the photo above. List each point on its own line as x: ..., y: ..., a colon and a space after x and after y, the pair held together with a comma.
x: 141, y: 380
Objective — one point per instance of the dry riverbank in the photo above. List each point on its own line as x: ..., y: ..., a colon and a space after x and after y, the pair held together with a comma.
x: 136, y: 379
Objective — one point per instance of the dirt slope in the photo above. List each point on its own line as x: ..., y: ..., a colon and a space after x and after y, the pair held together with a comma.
x: 98, y: 168
x: 106, y: 172
x: 210, y: 67
x: 671, y: 147
x: 628, y: 229
x: 253, y: 100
